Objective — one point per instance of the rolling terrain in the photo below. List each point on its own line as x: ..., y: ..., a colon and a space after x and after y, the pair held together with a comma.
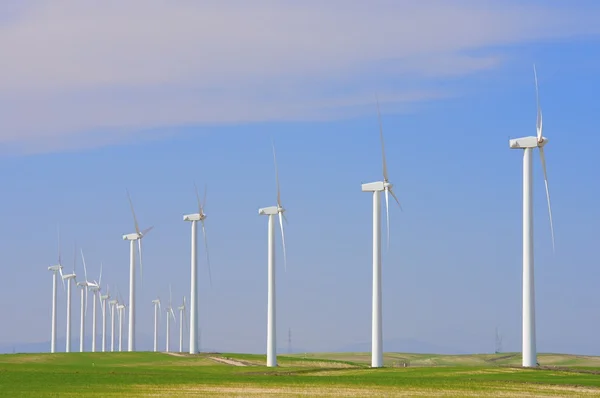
x: 326, y: 374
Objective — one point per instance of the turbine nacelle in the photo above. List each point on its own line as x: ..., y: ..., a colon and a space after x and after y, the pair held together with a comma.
x: 69, y: 276
x: 134, y: 236
x: 271, y: 211
x: 194, y: 217
x: 378, y: 186
x: 527, y: 142
x: 113, y: 302
x: 55, y: 268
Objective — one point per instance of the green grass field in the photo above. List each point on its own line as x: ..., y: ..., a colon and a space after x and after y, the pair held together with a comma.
x: 327, y: 374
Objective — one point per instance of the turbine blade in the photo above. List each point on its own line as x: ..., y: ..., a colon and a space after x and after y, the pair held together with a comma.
x: 395, y: 198
x: 387, y: 215
x: 74, y: 256
x: 198, y: 199
x: 283, y: 240
x: 185, y: 320
x: 141, y: 264
x: 61, y: 277
x: 159, y: 308
x: 170, y: 296
x: 543, y: 159
x: 137, y: 228
x: 538, y: 124
x: 385, y: 173
x: 58, y: 231
x: 100, y: 280
x: 207, y: 256
x: 276, y: 175
x: 145, y: 232
x: 84, y: 267
x: 204, y: 199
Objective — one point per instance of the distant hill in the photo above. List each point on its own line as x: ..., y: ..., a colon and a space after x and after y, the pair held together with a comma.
x: 401, y: 345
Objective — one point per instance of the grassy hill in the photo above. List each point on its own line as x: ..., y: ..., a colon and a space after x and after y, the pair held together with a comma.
x: 327, y: 374
x: 506, y: 359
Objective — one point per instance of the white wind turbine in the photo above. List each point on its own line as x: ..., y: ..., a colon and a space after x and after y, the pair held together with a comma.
x: 103, y: 303
x: 137, y: 236
x: 182, y: 317
x: 121, y: 308
x: 157, y: 313
x: 170, y: 314
x: 55, y: 269
x: 112, y: 304
x: 272, y: 212
x: 528, y: 144
x: 84, y: 294
x: 377, y: 188
x: 194, y: 218
x: 68, y: 278
x: 94, y: 287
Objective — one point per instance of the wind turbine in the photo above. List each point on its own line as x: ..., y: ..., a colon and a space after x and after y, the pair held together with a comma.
x: 84, y: 290
x: 170, y: 314
x: 377, y: 188
x: 528, y: 144
x: 103, y: 303
x: 137, y: 236
x: 68, y: 278
x: 272, y: 212
x: 94, y: 287
x: 157, y: 310
x: 55, y: 269
x: 112, y: 304
x: 121, y: 308
x: 194, y: 218
x: 182, y: 316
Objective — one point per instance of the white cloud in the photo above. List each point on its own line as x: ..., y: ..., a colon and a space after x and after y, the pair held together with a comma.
x: 71, y: 67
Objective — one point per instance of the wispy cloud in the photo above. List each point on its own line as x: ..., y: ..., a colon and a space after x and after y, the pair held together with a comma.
x: 71, y: 68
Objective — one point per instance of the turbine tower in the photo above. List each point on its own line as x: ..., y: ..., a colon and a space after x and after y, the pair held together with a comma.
x: 528, y: 144
x: 132, y: 238
x: 157, y: 310
x: 68, y: 278
x: 170, y: 314
x: 83, y: 286
x: 121, y: 309
x: 194, y: 218
x: 103, y: 303
x: 112, y: 304
x: 84, y: 295
x: 55, y: 269
x: 94, y: 287
x: 182, y: 317
x: 377, y: 188
x: 271, y: 212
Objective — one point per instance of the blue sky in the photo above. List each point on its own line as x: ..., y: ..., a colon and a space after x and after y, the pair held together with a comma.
x: 152, y: 97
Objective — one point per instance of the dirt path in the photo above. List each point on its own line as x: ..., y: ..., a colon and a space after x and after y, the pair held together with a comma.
x: 228, y: 361
x: 175, y: 354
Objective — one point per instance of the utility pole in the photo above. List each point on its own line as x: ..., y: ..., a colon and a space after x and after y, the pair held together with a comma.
x: 498, y: 341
